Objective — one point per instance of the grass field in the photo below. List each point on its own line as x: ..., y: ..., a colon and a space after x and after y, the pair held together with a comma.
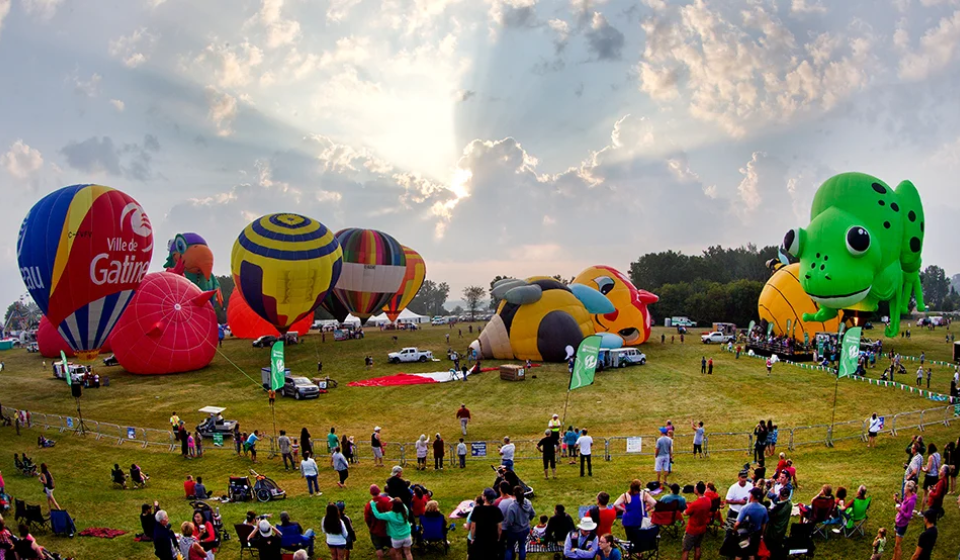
x: 633, y: 401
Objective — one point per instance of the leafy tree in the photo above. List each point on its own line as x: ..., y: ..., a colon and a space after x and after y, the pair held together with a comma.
x: 430, y: 299
x: 473, y: 295
x: 936, y: 286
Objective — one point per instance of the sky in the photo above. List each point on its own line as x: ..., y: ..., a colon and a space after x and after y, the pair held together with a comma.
x: 495, y: 137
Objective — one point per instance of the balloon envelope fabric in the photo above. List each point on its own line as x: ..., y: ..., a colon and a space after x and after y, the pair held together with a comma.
x: 244, y: 323
x: 283, y: 265
x: 374, y: 266
x: 83, y: 251
x: 413, y: 278
x: 169, y: 327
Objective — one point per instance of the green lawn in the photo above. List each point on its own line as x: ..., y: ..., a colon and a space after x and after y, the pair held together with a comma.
x: 633, y: 401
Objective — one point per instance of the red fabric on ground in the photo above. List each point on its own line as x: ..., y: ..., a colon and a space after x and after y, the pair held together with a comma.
x: 101, y: 532
x: 392, y: 380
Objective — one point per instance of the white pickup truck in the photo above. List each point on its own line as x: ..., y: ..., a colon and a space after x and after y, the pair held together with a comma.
x: 409, y: 355
x: 716, y: 337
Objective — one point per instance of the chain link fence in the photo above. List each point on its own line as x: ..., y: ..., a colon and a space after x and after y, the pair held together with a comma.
x: 609, y: 448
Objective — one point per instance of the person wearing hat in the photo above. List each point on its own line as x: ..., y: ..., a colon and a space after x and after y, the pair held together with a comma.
x: 738, y: 495
x: 554, y: 426
x: 376, y: 442
x: 751, y: 521
x: 267, y: 540
x: 378, y: 528
x: 582, y: 543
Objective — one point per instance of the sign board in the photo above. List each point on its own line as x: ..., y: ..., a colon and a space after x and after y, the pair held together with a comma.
x: 131, y: 433
x: 218, y: 439
x: 478, y: 449
x: 69, y: 422
x: 634, y: 445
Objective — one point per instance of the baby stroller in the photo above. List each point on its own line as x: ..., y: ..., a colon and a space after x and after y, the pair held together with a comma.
x: 212, y: 516
x: 26, y: 466
x: 503, y: 473
x: 266, y: 489
x: 239, y: 489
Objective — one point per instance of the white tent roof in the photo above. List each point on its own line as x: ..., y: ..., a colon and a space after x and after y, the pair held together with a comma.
x: 406, y: 316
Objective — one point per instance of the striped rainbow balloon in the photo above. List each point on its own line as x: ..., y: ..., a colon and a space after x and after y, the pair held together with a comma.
x: 284, y: 265
x: 412, y: 280
x: 374, y: 266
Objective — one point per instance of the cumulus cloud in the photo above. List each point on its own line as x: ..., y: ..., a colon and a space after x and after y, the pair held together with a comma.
x: 118, y: 105
x: 747, y: 72
x: 338, y: 10
x: 4, y: 11
x: 280, y: 31
x: 514, y: 13
x: 85, y: 88
x: 807, y: 7
x: 134, y: 49
x: 21, y: 161
x: 604, y: 41
x: 763, y: 178
x: 561, y: 30
x: 102, y: 155
x: 937, y: 49
x: 233, y: 66
x: 222, y: 110
x: 41, y: 9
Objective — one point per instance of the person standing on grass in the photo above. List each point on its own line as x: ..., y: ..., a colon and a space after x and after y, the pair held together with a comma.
x: 554, y: 426
x: 905, y: 509
x: 703, y: 365
x: 738, y: 495
x: 174, y: 422
x: 928, y: 539
x: 376, y: 443
x: 333, y: 441
x: 335, y: 531
x: 198, y: 439
x: 584, y: 445
x: 462, y: 454
x: 507, y: 451
x: 438, y: 453
x: 310, y: 471
x: 340, y: 464
x: 548, y: 448
x: 46, y: 481
x: 929, y: 375
x: 570, y: 441
x: 664, y: 456
x: 237, y: 442
x: 698, y: 513
x: 378, y: 528
x: 398, y: 527
x: 516, y: 524
x: 251, y: 444
x: 182, y: 436
x: 306, y: 444
x: 283, y: 443
x: 753, y: 517
x: 769, y: 365
x: 931, y: 470
x: 873, y: 429
x: 919, y: 376
x: 697, y: 438
x: 463, y: 414
x: 760, y: 442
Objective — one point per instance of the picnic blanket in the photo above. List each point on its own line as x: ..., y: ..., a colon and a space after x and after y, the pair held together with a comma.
x: 101, y: 532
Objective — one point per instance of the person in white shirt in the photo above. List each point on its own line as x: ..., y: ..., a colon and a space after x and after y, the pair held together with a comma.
x: 875, y: 424
x: 506, y: 453
x: 738, y: 495
x: 309, y: 470
x: 584, y: 444
x: 462, y: 453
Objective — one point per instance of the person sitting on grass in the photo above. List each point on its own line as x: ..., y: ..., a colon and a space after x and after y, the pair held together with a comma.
x: 190, y: 488
x: 559, y: 526
x: 118, y: 476
x: 200, y: 490
x: 203, y: 530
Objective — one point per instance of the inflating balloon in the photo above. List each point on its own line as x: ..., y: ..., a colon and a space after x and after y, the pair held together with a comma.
x: 189, y: 255
x: 862, y: 247
x: 244, y: 323
x: 542, y: 319
x: 169, y: 327
x: 83, y: 251
x: 631, y: 319
x: 412, y: 280
x: 283, y: 265
x: 373, y: 269
x: 783, y: 302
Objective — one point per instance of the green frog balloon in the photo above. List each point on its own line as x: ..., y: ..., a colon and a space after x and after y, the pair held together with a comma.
x: 862, y: 247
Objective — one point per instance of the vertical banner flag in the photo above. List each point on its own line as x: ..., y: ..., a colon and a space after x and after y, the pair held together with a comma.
x: 769, y: 329
x: 750, y: 328
x: 850, y: 352
x: 806, y: 338
x: 788, y: 332
x: 66, y: 370
x: 277, y: 367
x: 586, y: 363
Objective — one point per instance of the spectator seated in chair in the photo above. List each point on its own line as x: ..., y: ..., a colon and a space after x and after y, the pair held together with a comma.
x: 856, y: 514
x: 582, y: 542
x: 138, y: 477
x: 821, y: 508
x: 44, y: 442
x: 118, y: 476
x: 294, y: 537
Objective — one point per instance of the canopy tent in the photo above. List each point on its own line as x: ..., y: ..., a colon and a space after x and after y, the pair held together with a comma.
x: 406, y: 316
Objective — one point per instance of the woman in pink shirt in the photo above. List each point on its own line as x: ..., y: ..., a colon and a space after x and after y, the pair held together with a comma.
x: 904, y: 514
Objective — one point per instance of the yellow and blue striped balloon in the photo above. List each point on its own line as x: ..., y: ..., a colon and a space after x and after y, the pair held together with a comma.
x: 284, y: 265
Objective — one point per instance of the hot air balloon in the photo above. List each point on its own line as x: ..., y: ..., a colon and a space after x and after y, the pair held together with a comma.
x: 189, y: 256
x: 373, y: 269
x: 244, y: 323
x: 412, y: 280
x: 83, y: 251
x: 169, y: 327
x: 283, y: 265
x: 50, y: 343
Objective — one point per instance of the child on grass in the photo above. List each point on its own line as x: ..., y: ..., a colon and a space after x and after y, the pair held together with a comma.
x: 879, y: 543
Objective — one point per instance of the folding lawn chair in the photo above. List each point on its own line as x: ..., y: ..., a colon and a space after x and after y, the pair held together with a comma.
x: 61, y: 523
x: 19, y: 509
x: 243, y: 537
x: 644, y: 544
x: 431, y: 533
x: 35, y: 516
x: 858, y: 517
x: 822, y: 516
x: 668, y: 517
x: 800, y: 542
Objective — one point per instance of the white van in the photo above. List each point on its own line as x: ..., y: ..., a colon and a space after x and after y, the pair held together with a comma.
x: 622, y: 357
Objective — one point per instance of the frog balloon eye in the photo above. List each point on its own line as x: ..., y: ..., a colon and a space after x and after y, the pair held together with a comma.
x: 791, y: 242
x: 858, y: 240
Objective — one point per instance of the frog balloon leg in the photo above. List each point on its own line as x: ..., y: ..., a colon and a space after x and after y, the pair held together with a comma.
x: 913, y: 230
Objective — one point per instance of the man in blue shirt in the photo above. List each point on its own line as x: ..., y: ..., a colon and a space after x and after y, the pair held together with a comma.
x: 675, y: 496
x: 751, y: 521
x: 582, y: 543
x: 251, y: 444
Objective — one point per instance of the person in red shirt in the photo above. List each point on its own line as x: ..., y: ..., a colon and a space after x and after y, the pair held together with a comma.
x: 419, y: 503
x: 698, y: 513
x: 378, y: 529
x: 781, y: 464
x: 603, y: 514
x: 463, y: 415
x: 714, y: 497
x: 189, y: 487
